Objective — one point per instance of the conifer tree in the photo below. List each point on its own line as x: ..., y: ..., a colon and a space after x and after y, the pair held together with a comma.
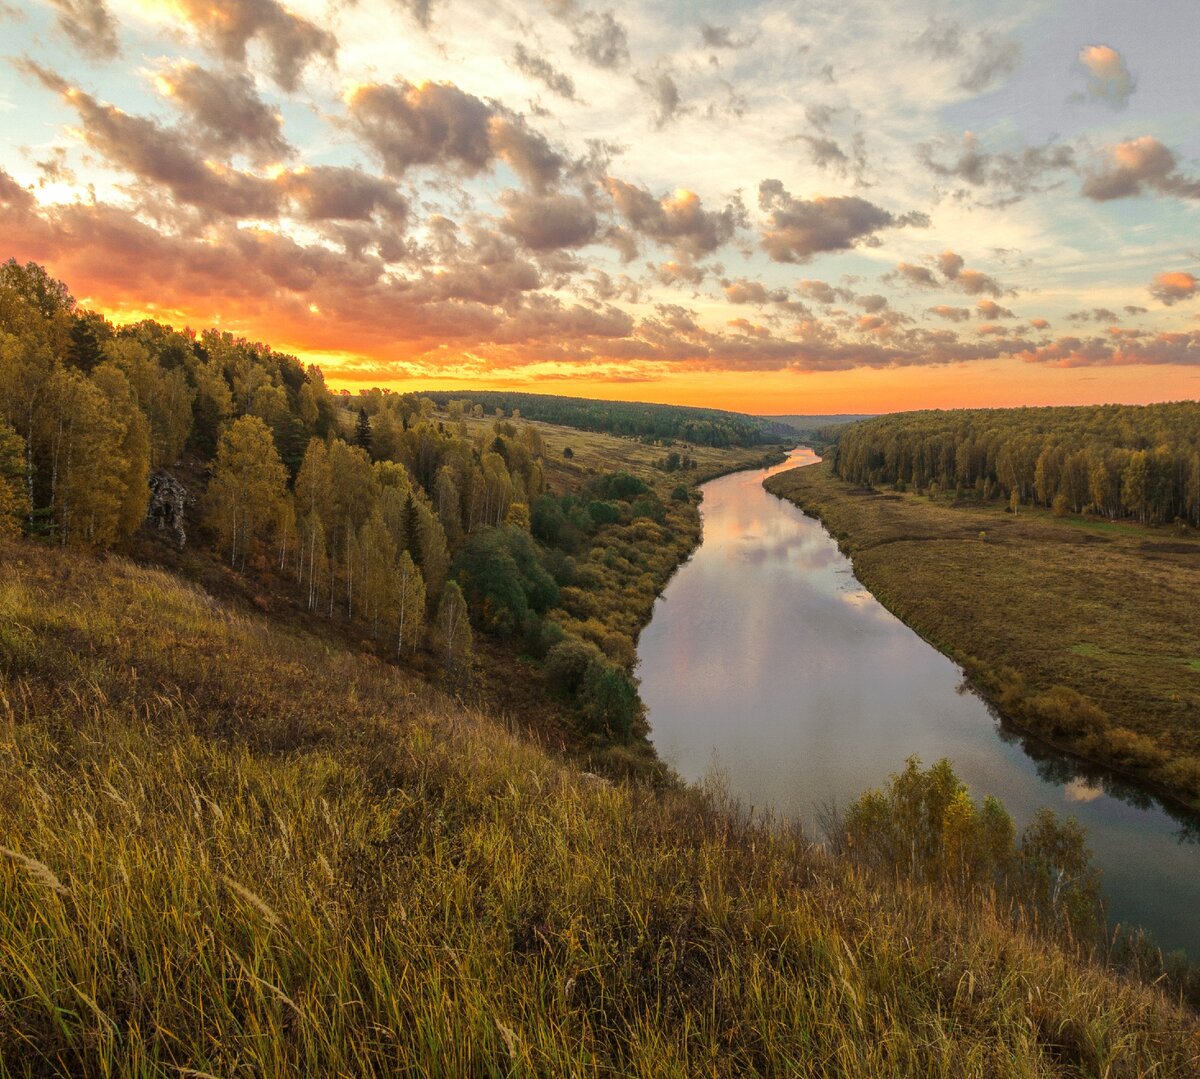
x: 362, y: 430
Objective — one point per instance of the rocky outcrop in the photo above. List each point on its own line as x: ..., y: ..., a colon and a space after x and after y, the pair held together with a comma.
x: 168, y: 500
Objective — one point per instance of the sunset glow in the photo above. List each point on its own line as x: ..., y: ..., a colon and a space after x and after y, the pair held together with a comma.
x: 747, y: 207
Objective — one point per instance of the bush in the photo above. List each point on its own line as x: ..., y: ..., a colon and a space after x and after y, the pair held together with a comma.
x: 567, y: 663
x: 540, y: 635
x: 603, y: 513
x: 608, y: 700
x: 619, y: 485
x: 1064, y: 711
x: 645, y: 507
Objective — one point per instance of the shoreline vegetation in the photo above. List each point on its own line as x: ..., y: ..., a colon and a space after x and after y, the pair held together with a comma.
x: 1079, y: 631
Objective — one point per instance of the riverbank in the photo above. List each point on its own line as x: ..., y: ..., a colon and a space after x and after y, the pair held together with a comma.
x: 1079, y: 631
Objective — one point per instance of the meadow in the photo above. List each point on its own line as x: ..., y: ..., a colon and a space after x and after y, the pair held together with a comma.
x: 1082, y: 630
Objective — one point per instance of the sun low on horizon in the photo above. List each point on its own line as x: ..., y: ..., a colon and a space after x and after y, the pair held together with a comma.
x: 768, y: 207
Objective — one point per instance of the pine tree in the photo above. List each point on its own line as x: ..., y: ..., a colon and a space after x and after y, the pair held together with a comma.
x: 362, y: 430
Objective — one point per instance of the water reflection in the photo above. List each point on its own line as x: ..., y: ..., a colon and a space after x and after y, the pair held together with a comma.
x: 767, y: 657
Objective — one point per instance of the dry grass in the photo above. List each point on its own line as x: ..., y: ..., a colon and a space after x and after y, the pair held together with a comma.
x: 596, y: 453
x: 1027, y: 602
x: 280, y: 858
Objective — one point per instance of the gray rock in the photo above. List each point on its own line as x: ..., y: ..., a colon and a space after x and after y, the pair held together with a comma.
x: 168, y: 500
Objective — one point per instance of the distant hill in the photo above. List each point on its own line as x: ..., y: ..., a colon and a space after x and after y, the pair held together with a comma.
x: 815, y: 423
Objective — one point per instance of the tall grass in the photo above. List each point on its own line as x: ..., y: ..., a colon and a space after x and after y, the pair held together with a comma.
x: 231, y: 849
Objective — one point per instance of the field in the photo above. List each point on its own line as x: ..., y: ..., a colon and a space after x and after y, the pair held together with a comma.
x: 334, y: 870
x: 1085, y: 632
x: 595, y: 452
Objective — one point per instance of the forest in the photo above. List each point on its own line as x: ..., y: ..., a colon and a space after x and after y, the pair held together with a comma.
x: 702, y: 426
x: 375, y: 511
x: 1137, y: 462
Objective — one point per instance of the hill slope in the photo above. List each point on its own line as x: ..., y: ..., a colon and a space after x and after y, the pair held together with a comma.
x: 231, y: 847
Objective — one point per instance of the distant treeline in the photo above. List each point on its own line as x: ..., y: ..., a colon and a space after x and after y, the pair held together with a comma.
x: 1119, y: 461
x: 806, y: 425
x: 700, y: 426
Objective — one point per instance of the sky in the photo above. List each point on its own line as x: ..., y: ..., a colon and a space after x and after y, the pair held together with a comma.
x: 827, y: 206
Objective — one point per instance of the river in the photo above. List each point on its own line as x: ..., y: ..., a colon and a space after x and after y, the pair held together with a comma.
x: 767, y: 661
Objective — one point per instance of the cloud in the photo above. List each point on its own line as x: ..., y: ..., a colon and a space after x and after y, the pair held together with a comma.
x: 337, y: 193
x: 479, y: 305
x: 548, y: 222
x: 663, y: 91
x: 713, y: 36
x: 973, y: 283
x: 291, y: 41
x: 439, y: 124
x: 1181, y: 349
x: 600, y: 39
x: 991, y: 310
x: 538, y: 67
x: 420, y: 10
x: 798, y: 229
x: 950, y: 264
x: 167, y: 159
x: 742, y: 290
x: 953, y: 314
x: 920, y: 276
x: 994, y: 57
x: 1135, y: 166
x: 1108, y: 77
x: 1173, y: 286
x: 90, y: 26
x: 823, y: 292
x: 983, y: 58
x: 161, y: 156
x: 827, y: 153
x: 1094, y: 314
x: 227, y: 110
x: 952, y: 267
x: 678, y: 220
x: 1014, y: 175
x: 13, y: 195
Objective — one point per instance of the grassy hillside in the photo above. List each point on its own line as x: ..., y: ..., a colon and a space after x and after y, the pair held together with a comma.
x: 1084, y: 631
x: 233, y: 848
